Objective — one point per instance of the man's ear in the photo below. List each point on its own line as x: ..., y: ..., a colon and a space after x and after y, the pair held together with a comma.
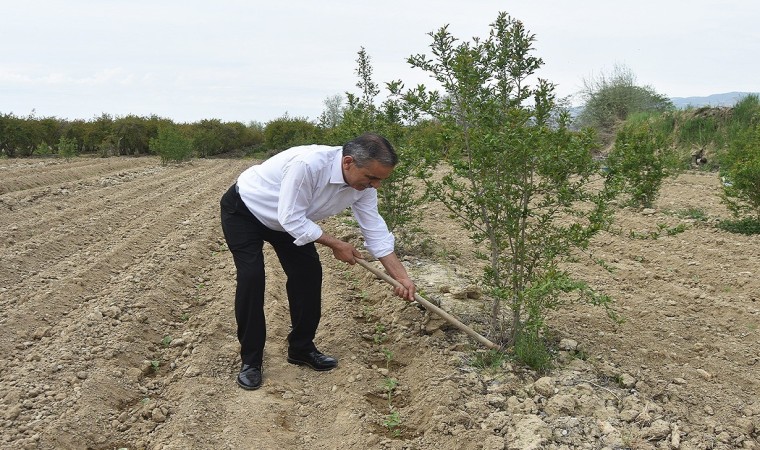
x: 347, y: 160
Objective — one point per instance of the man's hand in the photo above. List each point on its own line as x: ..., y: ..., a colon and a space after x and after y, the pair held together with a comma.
x: 346, y: 252
x: 343, y: 251
x: 406, y: 290
x: 396, y: 270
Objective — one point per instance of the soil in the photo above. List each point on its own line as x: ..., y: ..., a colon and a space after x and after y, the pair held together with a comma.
x: 117, y: 329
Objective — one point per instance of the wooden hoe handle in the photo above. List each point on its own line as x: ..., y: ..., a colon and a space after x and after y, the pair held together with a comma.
x: 430, y: 307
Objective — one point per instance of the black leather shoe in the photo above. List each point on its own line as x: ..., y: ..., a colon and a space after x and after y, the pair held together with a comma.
x: 314, y: 359
x: 249, y: 377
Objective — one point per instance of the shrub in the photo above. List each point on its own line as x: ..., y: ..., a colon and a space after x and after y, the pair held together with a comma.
x: 208, y: 137
x: 43, y: 149
x: 285, y: 132
x: 641, y: 159
x: 171, y: 145
x: 740, y: 171
x: 67, y: 147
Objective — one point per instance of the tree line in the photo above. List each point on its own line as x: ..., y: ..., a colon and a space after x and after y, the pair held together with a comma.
x: 118, y: 136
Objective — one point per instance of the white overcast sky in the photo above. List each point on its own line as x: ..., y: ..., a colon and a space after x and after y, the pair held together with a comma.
x: 239, y: 60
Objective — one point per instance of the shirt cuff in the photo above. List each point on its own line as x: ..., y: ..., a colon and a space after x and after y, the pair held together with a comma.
x: 382, y: 247
x: 312, y: 233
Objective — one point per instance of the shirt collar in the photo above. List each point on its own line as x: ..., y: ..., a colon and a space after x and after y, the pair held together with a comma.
x: 336, y: 177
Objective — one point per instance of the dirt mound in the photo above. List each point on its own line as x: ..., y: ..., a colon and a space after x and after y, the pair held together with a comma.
x: 118, y: 331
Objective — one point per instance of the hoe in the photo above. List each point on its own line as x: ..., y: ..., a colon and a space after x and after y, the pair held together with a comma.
x: 431, y: 307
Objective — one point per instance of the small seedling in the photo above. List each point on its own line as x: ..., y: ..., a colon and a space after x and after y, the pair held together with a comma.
x: 389, y: 385
x: 155, y: 365
x: 392, y: 422
x: 166, y: 341
x: 580, y: 354
x: 367, y: 312
x: 661, y: 228
x: 388, y: 357
x: 380, y: 336
x: 184, y: 317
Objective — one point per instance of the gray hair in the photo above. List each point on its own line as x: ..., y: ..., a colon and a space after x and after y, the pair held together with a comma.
x: 371, y: 147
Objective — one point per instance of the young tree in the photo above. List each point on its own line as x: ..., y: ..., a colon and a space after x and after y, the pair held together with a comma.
x: 398, y: 199
x: 521, y: 181
x: 368, y: 88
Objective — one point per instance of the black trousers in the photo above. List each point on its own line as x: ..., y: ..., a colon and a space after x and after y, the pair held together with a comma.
x: 245, y: 236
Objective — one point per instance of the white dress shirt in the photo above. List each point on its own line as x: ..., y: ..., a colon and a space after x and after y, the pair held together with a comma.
x: 293, y: 189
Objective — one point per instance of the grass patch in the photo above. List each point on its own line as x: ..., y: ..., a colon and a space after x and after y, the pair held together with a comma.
x: 532, y: 351
x: 748, y: 226
x: 662, y: 229
x: 488, y: 361
x: 692, y: 213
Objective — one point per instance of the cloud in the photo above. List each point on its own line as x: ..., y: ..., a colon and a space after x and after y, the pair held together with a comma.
x: 102, y: 77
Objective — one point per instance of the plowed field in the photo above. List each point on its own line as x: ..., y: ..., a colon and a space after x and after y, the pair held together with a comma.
x: 117, y: 330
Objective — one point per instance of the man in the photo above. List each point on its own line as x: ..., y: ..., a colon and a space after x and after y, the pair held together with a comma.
x: 279, y: 201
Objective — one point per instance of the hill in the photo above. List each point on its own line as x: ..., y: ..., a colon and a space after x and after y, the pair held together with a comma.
x: 727, y: 99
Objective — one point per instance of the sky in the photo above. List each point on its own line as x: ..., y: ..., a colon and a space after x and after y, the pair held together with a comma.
x: 244, y: 61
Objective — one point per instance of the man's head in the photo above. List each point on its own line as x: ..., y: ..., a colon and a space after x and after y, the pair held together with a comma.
x: 367, y: 161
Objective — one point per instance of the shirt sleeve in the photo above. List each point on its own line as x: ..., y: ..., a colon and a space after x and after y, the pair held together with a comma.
x: 296, y: 192
x: 378, y: 240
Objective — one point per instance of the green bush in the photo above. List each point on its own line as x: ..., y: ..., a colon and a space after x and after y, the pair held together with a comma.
x: 171, y: 145
x: 532, y: 351
x: 740, y: 172
x: 67, y: 147
x: 209, y: 137
x: 133, y: 134
x: 285, y: 132
x: 641, y: 159
x: 43, y: 149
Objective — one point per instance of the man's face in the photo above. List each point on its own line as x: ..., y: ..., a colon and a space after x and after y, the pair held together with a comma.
x: 361, y: 178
